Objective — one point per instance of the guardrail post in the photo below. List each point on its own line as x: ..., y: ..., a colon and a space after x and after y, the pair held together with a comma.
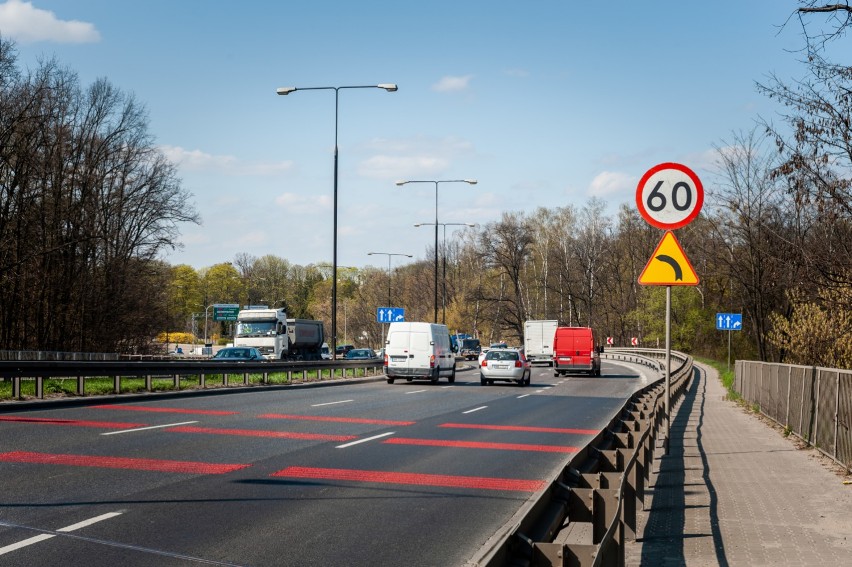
x: 16, y: 387
x: 202, y: 380
x: 245, y: 378
x: 224, y: 378
x: 116, y: 384
x: 176, y: 382
x: 81, y: 385
x: 836, y: 416
x: 149, y: 382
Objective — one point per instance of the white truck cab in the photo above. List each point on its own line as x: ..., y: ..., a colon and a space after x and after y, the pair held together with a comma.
x: 419, y: 351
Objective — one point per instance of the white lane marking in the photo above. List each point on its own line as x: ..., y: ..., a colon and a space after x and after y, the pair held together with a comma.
x: 374, y: 437
x: 146, y: 428
x: 416, y: 391
x: 539, y: 391
x: 332, y: 403
x: 523, y: 396
x: 475, y: 409
x: 71, y: 528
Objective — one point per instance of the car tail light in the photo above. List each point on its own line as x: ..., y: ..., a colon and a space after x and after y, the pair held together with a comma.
x: 484, y: 363
x: 386, y: 360
x: 432, y: 361
x: 517, y: 364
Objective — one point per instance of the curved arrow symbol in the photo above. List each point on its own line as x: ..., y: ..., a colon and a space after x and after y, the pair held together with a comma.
x: 673, y: 263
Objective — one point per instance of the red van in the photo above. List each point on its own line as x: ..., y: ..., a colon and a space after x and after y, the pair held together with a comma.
x: 574, y: 350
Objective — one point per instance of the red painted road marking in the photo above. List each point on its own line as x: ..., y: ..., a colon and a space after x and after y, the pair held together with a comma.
x: 523, y: 428
x: 74, y: 422
x: 413, y: 478
x: 164, y: 410
x: 336, y: 419
x: 189, y: 467
x: 479, y: 445
x: 256, y: 433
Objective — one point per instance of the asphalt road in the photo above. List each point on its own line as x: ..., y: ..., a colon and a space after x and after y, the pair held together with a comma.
x: 359, y: 474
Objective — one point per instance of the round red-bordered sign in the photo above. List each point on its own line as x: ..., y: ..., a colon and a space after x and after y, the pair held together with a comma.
x: 669, y: 196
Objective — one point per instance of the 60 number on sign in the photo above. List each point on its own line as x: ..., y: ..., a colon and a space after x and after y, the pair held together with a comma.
x: 669, y: 196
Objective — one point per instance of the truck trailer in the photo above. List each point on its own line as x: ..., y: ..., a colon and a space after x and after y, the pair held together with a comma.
x: 538, y: 340
x: 278, y: 337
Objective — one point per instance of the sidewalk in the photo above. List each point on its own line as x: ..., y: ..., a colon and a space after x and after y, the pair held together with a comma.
x: 734, y: 491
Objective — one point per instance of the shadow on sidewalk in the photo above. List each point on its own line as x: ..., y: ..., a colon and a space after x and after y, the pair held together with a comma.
x: 665, y: 530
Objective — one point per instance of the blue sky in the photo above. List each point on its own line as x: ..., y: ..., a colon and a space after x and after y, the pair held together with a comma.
x: 544, y: 103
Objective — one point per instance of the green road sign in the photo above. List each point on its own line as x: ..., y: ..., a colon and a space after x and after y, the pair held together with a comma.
x: 225, y: 312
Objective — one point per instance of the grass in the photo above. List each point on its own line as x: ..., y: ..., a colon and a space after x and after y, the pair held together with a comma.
x: 105, y: 385
x: 726, y: 375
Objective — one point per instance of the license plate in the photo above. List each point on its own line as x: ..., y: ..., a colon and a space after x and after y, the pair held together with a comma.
x: 501, y: 366
x: 398, y: 358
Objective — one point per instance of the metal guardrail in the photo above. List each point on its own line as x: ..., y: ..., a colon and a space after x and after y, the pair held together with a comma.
x: 583, y: 517
x: 813, y: 403
x: 39, y: 371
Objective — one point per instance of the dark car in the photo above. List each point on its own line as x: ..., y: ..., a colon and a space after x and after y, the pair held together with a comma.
x: 341, y: 350
x: 238, y: 354
x: 360, y: 354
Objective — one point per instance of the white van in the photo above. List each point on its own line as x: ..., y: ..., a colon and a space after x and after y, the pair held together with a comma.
x: 419, y: 351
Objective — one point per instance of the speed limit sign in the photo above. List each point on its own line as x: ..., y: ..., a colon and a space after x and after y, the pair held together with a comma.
x: 669, y: 196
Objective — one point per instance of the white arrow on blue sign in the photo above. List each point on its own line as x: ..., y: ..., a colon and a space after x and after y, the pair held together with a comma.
x: 729, y: 321
x: 390, y: 314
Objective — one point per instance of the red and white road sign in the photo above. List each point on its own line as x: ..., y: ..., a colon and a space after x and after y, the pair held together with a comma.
x: 634, y: 341
x: 610, y: 341
x: 669, y: 196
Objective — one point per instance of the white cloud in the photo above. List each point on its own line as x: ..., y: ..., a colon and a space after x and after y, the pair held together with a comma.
x: 196, y: 160
x: 303, y: 204
x: 413, y: 158
x: 25, y: 23
x: 612, y: 183
x: 452, y: 84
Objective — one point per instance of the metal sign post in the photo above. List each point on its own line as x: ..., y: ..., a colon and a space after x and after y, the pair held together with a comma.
x: 669, y: 196
x: 668, y: 366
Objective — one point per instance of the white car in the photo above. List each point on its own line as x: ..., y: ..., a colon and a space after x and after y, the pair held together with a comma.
x: 505, y: 364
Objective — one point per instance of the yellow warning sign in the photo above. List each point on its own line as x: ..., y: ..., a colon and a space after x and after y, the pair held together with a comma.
x: 668, y: 265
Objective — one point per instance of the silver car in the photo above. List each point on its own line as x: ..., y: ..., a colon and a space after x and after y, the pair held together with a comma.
x: 507, y: 364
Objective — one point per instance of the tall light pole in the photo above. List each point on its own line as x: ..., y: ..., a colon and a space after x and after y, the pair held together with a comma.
x: 389, y: 255
x: 444, y: 262
x: 436, y: 182
x: 390, y: 87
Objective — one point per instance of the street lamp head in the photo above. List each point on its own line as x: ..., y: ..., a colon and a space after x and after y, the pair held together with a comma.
x: 471, y: 181
x: 390, y: 87
x: 401, y: 183
x: 285, y: 90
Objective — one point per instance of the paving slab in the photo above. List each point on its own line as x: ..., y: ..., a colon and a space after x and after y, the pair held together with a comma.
x: 733, y: 490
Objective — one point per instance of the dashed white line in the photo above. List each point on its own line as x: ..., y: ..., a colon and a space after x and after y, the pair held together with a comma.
x: 332, y: 403
x: 475, y: 409
x: 146, y: 428
x: 374, y: 437
x: 524, y: 396
x: 416, y: 391
x: 71, y: 528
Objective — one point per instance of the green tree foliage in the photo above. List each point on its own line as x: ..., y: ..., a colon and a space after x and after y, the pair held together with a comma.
x: 818, y: 331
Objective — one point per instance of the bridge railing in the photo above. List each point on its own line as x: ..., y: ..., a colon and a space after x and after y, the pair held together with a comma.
x: 584, y: 515
x: 811, y: 402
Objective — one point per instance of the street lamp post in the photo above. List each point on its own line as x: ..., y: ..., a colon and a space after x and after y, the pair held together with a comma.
x: 444, y: 262
x: 390, y: 87
x: 388, y: 254
x: 436, y: 182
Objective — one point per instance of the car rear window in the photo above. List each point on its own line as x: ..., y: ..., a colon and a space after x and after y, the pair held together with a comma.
x: 501, y: 355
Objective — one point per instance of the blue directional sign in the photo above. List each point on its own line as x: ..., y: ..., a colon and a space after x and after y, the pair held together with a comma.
x: 729, y: 321
x: 390, y: 314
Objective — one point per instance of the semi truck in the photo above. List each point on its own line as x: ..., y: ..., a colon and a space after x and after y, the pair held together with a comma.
x: 538, y: 340
x: 278, y: 337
